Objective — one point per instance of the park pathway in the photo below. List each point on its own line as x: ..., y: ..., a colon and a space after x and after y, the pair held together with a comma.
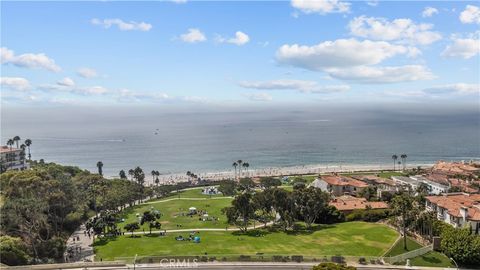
x: 79, y: 247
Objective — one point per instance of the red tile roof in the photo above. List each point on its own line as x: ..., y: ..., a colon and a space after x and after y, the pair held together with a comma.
x: 336, y: 180
x: 454, y: 201
x: 6, y: 149
x: 349, y: 203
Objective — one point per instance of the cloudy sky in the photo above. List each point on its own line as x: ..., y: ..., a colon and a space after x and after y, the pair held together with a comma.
x: 188, y: 52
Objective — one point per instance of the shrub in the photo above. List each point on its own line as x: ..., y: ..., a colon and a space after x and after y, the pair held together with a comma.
x: 332, y: 266
x: 370, y: 215
x: 297, y: 258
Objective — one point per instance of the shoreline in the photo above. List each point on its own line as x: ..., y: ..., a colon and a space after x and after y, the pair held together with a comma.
x: 283, y: 171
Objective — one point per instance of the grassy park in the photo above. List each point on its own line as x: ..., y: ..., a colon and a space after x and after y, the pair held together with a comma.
x: 346, y: 239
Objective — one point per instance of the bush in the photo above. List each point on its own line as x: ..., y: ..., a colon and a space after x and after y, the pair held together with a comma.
x: 370, y: 215
x: 297, y: 258
x: 245, y: 258
x: 332, y: 266
x: 13, y: 251
x: 338, y: 259
x: 461, y: 245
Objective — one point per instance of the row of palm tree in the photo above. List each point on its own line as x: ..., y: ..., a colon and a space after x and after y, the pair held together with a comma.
x: 25, y: 145
x: 240, y: 163
x: 192, y: 175
x: 403, y: 161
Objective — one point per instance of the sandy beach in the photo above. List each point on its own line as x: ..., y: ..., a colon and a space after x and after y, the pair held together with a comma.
x: 282, y: 171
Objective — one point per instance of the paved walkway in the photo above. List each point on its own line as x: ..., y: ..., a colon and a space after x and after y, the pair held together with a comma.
x: 203, y: 229
x: 79, y: 247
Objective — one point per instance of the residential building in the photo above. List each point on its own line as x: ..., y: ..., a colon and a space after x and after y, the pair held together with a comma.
x: 347, y: 204
x: 12, y: 158
x: 339, y: 185
x: 455, y: 168
x: 406, y: 181
x: 383, y: 185
x: 456, y: 209
x: 434, y: 187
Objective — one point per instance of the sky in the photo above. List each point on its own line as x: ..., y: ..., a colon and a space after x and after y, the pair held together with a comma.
x: 229, y: 53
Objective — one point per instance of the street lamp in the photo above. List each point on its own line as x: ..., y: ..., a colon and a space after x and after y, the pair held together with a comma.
x: 456, y: 265
x: 134, y: 261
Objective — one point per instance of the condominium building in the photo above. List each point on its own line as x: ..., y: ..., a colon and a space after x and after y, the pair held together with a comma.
x: 12, y: 159
x: 339, y: 185
x: 456, y: 209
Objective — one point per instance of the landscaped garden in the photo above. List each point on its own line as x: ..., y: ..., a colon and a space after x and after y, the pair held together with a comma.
x: 346, y: 239
x: 175, y: 213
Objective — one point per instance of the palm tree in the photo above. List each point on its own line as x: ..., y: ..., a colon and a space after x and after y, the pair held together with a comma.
x: 394, y: 157
x: 189, y: 174
x: 240, y: 162
x: 22, y: 154
x: 100, y: 166
x: 16, y: 139
x: 157, y: 181
x: 246, y: 165
x: 235, y: 164
x: 153, y: 174
x: 404, y: 160
x: 10, y: 143
x: 28, y: 142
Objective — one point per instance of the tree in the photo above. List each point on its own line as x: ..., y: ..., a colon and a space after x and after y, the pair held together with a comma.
x: 246, y: 165
x: 246, y: 184
x: 309, y: 203
x: 403, y: 207
x: 404, y: 160
x: 368, y: 193
x: 332, y: 266
x: 100, y: 166
x: 154, y: 225
x: 234, y: 164
x: 10, y: 143
x: 284, y: 206
x: 13, y: 251
x: 131, y: 173
x: 16, y: 139
x: 240, y: 163
x: 139, y: 175
x: 394, y: 157
x: 241, y: 211
x: 131, y: 227
x: 149, y: 217
x: 461, y: 245
x: 28, y: 142
x: 269, y: 182
x: 264, y: 205
x: 228, y: 188
x: 122, y: 174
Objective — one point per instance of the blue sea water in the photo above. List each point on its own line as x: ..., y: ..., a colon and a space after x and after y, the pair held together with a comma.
x: 210, y: 140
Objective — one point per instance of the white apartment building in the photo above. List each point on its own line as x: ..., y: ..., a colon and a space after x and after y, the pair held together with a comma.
x: 12, y: 159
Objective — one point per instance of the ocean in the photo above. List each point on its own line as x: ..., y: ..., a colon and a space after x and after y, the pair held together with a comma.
x: 204, y: 140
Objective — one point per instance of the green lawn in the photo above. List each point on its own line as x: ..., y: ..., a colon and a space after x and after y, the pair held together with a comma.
x: 434, y: 259
x: 174, y: 211
x: 390, y: 174
x: 399, y: 249
x: 347, y: 239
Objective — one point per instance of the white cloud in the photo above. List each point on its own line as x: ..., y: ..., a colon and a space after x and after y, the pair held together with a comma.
x: 128, y: 95
x: 338, y: 53
x: 179, y: 1
x: 372, y: 3
x: 15, y: 83
x: 460, y: 88
x: 122, y: 25
x: 462, y: 47
x: 401, y: 30
x: 193, y: 35
x: 471, y: 14
x: 429, y: 12
x: 372, y: 75
x: 321, y: 6
x: 259, y: 97
x: 28, y: 60
x: 299, y: 85
x: 92, y: 90
x: 87, y: 72
x: 239, y: 39
x: 66, y: 82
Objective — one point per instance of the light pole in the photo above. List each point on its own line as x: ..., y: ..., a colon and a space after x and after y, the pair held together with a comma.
x: 134, y: 261
x: 456, y: 265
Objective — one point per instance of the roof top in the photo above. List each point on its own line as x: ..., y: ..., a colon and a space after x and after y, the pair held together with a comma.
x: 454, y: 201
x: 336, y: 180
x: 6, y: 149
x: 348, y: 203
x: 374, y: 178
